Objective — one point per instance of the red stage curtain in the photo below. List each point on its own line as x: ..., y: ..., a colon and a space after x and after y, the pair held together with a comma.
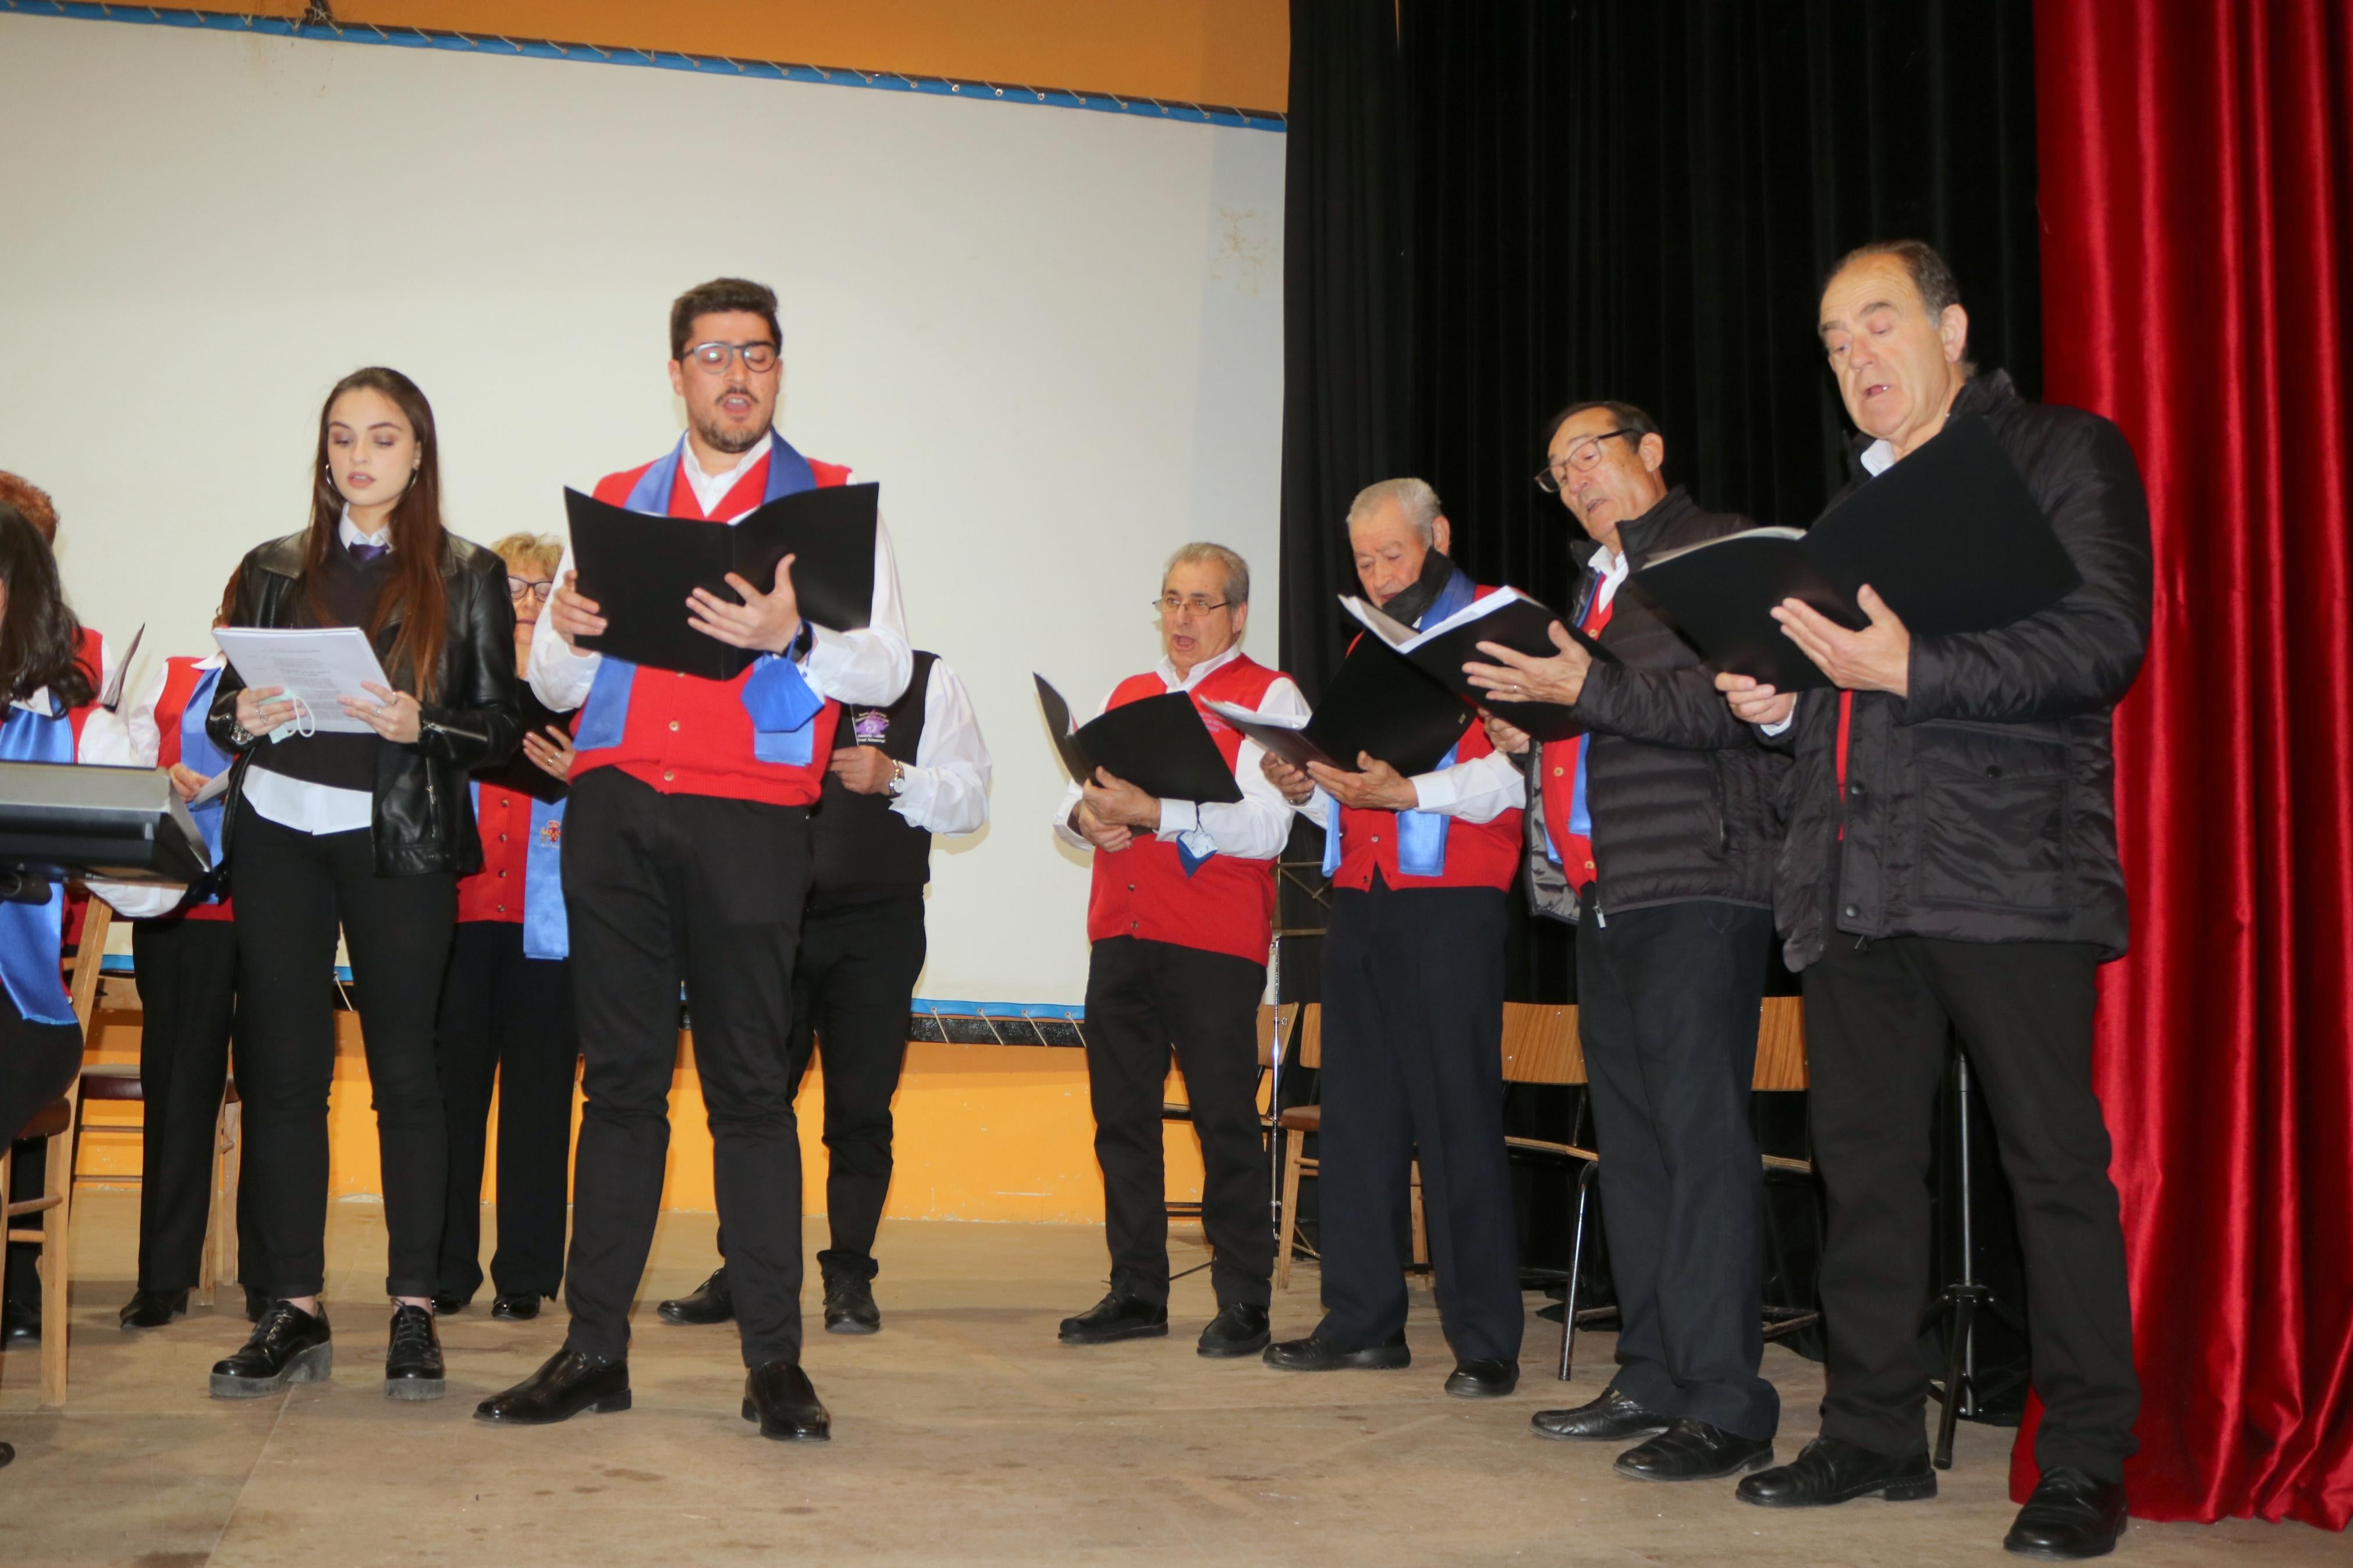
x: 2197, y: 244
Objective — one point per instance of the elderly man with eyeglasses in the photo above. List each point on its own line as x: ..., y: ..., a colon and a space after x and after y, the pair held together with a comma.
x: 1180, y: 917
x: 1656, y: 839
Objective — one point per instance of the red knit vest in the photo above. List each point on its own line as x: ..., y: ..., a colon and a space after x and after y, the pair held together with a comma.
x: 1227, y: 905
x: 1560, y: 784
x: 495, y: 892
x: 180, y: 678
x: 686, y: 735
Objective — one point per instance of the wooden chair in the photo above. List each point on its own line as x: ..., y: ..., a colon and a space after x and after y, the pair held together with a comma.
x: 55, y: 1122
x: 1295, y: 1125
x: 119, y: 1083
x: 1273, y: 1020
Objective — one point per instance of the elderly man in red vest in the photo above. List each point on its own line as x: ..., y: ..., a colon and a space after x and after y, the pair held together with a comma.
x: 1180, y: 916
x: 687, y: 859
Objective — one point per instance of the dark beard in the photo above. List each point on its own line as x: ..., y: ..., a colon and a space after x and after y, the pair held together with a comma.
x: 1436, y: 570
x: 733, y: 443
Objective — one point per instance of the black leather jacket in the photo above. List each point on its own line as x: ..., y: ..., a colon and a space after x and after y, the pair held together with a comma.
x: 424, y: 819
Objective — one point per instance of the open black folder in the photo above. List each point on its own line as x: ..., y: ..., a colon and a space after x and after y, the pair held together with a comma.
x: 1507, y: 618
x: 639, y: 569
x: 1950, y: 537
x: 1159, y: 745
x: 1376, y: 703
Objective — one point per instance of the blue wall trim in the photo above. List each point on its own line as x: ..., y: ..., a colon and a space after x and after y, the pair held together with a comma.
x: 709, y: 64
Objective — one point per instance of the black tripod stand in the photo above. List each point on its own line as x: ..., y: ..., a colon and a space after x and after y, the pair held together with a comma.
x: 1967, y: 1296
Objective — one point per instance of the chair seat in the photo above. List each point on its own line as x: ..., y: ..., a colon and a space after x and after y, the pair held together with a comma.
x: 120, y: 1082
x: 1543, y: 1146
x: 1301, y: 1119
x: 50, y: 1120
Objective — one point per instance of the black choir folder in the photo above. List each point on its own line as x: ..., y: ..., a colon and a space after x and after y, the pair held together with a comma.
x: 1507, y: 618
x: 1950, y: 537
x: 1376, y: 703
x: 1159, y: 745
x: 639, y: 569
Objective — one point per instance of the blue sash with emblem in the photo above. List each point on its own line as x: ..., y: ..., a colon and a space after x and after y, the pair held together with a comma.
x: 546, y: 933
x: 1421, y: 835
x: 198, y: 754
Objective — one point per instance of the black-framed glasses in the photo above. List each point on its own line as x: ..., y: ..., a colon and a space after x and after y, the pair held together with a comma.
x: 1198, y: 604
x: 1581, y: 458
x: 528, y: 588
x: 759, y: 358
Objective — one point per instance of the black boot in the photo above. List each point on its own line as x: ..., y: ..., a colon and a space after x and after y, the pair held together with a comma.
x: 849, y: 1305
x: 567, y: 1384
x: 152, y: 1308
x: 1239, y: 1330
x: 288, y: 1345
x: 1831, y: 1470
x: 2070, y: 1517
x: 712, y: 1303
x: 778, y: 1396
x: 412, y: 1365
x: 1116, y: 1317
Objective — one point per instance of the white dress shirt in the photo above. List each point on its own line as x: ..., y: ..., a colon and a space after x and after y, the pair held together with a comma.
x: 870, y: 666
x: 1256, y: 826
x: 106, y: 742
x: 945, y: 788
x: 298, y: 803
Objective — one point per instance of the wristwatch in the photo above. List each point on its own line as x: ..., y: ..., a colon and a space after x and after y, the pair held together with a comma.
x: 898, y: 778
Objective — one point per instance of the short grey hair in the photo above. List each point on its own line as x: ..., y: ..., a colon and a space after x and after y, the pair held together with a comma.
x: 1421, y: 503
x: 1200, y: 553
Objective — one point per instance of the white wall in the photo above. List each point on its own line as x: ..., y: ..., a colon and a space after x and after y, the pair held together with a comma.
x: 1053, y: 336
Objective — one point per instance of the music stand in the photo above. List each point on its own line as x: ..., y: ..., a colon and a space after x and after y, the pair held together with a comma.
x: 61, y: 821
x: 1967, y: 1296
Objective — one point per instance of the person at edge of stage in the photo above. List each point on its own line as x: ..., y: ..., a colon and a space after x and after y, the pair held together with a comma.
x: 689, y: 861
x: 1413, y: 1005
x: 506, y: 1000
x: 185, y: 961
x: 906, y: 771
x: 1656, y: 839
x: 366, y: 832
x: 51, y: 717
x: 1179, y: 921
x: 1951, y: 868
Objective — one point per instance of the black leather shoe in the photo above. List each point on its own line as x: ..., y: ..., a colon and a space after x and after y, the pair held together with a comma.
x: 711, y: 1303
x: 1311, y: 1354
x: 1115, y: 1317
x: 849, y: 1307
x: 1610, y: 1418
x: 1831, y: 1470
x: 7, y: 1455
x: 778, y: 1396
x: 20, y: 1323
x: 288, y: 1345
x: 152, y: 1308
x: 412, y: 1363
x: 1237, y: 1331
x: 256, y: 1301
x: 1482, y: 1379
x: 516, y: 1308
x: 2070, y: 1517
x: 567, y: 1384
x: 448, y: 1303
x: 1694, y: 1451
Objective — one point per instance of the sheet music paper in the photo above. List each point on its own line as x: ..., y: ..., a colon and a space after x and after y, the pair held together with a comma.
x: 314, y: 666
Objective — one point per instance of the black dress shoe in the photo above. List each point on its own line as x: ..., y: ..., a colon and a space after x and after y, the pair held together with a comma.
x: 1610, y: 1418
x: 2070, y: 1517
x: 1311, y: 1354
x: 565, y: 1385
x: 288, y: 1345
x: 20, y: 1323
x: 1237, y: 1331
x: 778, y: 1396
x: 412, y: 1364
x: 516, y: 1308
x: 849, y: 1307
x: 1482, y: 1379
x: 447, y: 1303
x: 1115, y: 1317
x: 256, y: 1301
x: 152, y: 1308
x: 1831, y: 1470
x: 7, y: 1455
x: 711, y: 1303
x: 1694, y: 1451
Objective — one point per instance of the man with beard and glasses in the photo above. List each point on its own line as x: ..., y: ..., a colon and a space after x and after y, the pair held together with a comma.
x: 1413, y: 1006
x: 688, y: 860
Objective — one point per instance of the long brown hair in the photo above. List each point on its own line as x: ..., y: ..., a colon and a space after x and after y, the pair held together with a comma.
x: 40, y: 640
x: 415, y: 587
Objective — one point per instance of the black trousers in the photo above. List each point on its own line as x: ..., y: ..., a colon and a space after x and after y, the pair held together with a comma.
x: 294, y: 890
x: 187, y: 993
x: 1667, y: 1008
x: 1878, y: 1017
x: 662, y: 888
x: 1413, y: 1067
x: 853, y: 981
x: 509, y: 1018
x: 1144, y: 998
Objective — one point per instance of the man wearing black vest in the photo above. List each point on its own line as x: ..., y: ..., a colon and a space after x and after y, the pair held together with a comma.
x: 902, y: 774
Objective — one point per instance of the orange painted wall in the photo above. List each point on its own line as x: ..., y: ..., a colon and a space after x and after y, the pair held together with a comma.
x: 1231, y: 52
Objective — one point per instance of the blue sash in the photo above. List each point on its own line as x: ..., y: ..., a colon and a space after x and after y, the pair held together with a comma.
x: 546, y: 933
x: 1421, y: 835
x: 198, y: 754
x: 32, y: 936
x: 777, y: 699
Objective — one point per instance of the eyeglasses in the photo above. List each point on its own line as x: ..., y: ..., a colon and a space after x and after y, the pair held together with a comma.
x: 759, y: 358
x: 1582, y: 456
x: 527, y: 588
x: 1169, y: 605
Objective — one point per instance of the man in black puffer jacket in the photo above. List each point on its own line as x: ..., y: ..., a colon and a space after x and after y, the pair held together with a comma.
x: 1951, y: 867
x: 1656, y: 839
